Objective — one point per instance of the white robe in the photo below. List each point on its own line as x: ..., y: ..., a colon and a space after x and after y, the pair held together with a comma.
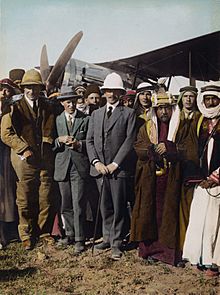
x: 202, y: 242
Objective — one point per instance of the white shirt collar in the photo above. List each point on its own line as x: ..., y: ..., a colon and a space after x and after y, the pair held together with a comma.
x: 68, y: 116
x: 112, y: 105
x: 30, y: 102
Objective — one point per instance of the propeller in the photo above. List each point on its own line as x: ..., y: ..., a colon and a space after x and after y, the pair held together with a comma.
x: 62, y: 61
x: 44, y: 64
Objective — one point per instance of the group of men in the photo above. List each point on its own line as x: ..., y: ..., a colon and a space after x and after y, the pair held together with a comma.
x: 176, y: 162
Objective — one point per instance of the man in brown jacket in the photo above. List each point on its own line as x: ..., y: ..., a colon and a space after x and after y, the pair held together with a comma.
x: 27, y: 127
x: 155, y: 214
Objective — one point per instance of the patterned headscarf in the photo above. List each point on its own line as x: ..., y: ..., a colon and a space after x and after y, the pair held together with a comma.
x: 213, y: 88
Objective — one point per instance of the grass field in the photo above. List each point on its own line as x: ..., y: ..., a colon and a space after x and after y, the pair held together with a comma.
x: 48, y: 270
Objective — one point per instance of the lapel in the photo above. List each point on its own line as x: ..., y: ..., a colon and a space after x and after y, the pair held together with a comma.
x: 115, y: 115
x: 78, y: 120
x: 62, y: 124
x: 100, y: 113
x: 27, y: 109
x: 101, y: 117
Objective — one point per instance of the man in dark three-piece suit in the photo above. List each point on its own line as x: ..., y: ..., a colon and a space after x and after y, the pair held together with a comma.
x: 110, y: 139
x: 72, y: 167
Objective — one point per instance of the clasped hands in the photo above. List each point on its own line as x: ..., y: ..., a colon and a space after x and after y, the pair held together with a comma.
x: 207, y: 183
x: 103, y: 169
x: 70, y: 141
x: 160, y: 148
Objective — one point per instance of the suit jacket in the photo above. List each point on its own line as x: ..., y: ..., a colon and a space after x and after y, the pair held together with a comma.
x: 19, y: 123
x: 117, y: 143
x: 64, y: 154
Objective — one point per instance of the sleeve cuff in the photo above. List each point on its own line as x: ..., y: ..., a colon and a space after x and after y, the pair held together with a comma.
x: 95, y: 161
x: 116, y: 165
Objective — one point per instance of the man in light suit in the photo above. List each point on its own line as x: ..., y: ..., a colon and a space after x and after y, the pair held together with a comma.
x: 110, y: 139
x: 72, y: 167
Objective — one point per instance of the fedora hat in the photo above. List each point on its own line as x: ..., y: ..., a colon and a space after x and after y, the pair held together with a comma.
x: 67, y: 93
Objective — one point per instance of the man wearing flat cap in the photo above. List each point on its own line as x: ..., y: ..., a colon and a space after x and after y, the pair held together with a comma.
x: 72, y: 167
x: 28, y: 128
x: 7, y: 88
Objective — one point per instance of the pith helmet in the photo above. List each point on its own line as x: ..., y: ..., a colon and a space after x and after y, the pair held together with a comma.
x: 113, y: 81
x: 32, y: 77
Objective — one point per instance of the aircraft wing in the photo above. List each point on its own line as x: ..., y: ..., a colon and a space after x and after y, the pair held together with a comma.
x: 198, y: 58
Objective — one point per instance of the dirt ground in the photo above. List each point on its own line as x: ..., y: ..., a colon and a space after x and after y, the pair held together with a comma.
x: 48, y: 270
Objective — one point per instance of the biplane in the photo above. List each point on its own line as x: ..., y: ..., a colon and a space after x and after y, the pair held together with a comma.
x: 196, y: 59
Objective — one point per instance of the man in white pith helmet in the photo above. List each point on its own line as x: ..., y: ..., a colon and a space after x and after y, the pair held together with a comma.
x: 27, y: 128
x: 110, y: 139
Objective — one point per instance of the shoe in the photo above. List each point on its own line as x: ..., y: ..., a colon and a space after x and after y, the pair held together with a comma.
x: 102, y: 246
x: 27, y: 245
x: 65, y: 242
x: 151, y: 260
x: 116, y: 253
x: 211, y: 272
x: 181, y: 264
x: 79, y: 247
x: 2, y: 246
x: 47, y: 240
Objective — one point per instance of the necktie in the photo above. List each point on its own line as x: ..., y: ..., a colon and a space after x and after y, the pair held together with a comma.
x: 35, y: 107
x: 70, y: 122
x: 109, y: 112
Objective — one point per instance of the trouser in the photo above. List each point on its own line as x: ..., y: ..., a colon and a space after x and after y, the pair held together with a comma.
x: 34, y: 196
x: 113, y: 209
x: 73, y: 207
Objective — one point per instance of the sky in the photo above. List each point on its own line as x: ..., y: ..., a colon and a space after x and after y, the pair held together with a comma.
x: 112, y: 29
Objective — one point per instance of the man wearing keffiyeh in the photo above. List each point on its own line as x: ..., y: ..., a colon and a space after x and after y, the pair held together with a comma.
x: 202, y: 242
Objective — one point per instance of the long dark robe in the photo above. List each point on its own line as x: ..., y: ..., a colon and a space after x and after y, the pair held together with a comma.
x: 155, y: 219
x: 189, y: 167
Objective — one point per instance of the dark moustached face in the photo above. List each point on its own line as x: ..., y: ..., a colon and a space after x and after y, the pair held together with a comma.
x: 164, y: 113
x: 211, y: 101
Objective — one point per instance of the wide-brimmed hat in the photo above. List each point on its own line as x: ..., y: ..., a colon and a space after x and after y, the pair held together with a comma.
x: 16, y: 75
x: 32, y: 77
x: 113, y: 81
x: 67, y: 93
x: 9, y: 83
